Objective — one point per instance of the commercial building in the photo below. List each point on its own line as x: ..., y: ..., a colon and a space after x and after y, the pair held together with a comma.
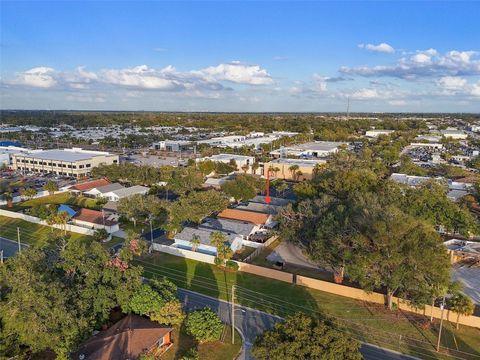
x: 456, y: 190
x: 7, y: 152
x: 293, y: 169
x: 374, y: 133
x: 316, y: 149
x: 67, y: 162
x: 454, y: 134
x: 240, y: 160
x: 172, y: 145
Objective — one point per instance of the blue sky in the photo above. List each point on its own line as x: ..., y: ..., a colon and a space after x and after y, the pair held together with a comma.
x: 240, y: 56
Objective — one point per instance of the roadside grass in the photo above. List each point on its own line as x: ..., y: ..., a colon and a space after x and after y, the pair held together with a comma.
x: 57, y: 199
x: 397, y: 330
x: 30, y: 233
x: 218, y: 350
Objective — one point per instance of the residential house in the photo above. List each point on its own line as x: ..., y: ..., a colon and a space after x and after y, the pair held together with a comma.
x: 94, y: 219
x: 128, y: 338
x: 183, y: 240
x: 89, y: 185
x: 116, y: 195
x: 102, y: 190
x: 241, y: 228
x: 259, y: 219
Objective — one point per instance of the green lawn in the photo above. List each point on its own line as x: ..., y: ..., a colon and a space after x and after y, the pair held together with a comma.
x: 30, y: 233
x: 368, y: 322
x: 218, y: 350
x: 57, y: 199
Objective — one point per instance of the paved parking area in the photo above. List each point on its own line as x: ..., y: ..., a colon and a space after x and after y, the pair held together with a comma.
x: 470, y: 277
x: 290, y: 254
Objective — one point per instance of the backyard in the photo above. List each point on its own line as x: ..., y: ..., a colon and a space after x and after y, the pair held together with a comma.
x: 57, y: 199
x: 218, y: 350
x: 30, y: 233
x: 397, y: 330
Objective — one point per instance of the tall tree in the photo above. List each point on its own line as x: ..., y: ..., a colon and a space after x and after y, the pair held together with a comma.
x: 302, y: 337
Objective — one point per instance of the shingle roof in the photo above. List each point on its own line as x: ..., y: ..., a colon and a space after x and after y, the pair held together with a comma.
x: 273, y: 200
x: 90, y: 185
x: 232, y: 226
x: 203, y: 234
x: 261, y: 208
x: 125, y: 192
x: 126, y: 339
x: 110, y: 187
x: 92, y: 216
x: 242, y: 215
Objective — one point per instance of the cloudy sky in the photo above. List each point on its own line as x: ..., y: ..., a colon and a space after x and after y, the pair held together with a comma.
x: 240, y: 56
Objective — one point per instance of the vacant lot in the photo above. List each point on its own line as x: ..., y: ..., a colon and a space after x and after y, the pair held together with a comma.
x: 396, y: 330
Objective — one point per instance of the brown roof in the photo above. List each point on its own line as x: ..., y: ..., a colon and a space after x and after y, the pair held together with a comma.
x: 126, y: 339
x: 90, y: 185
x: 242, y: 215
x: 92, y: 216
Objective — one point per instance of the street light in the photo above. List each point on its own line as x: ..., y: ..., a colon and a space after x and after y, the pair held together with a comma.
x: 442, y: 307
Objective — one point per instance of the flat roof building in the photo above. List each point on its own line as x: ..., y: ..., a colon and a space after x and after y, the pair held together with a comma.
x: 374, y: 133
x: 282, y: 168
x: 240, y: 160
x: 67, y: 162
x: 316, y: 149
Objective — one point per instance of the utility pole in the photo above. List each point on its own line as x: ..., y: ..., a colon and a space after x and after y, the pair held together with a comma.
x: 18, y: 239
x: 442, y: 306
x: 151, y: 236
x: 233, y: 314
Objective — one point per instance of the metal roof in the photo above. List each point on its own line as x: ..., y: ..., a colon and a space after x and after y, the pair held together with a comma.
x: 237, y: 227
x: 188, y: 233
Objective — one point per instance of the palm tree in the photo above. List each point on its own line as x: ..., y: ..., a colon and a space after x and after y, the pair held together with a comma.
x: 195, y: 242
x: 298, y: 174
x: 8, y: 198
x: 462, y: 305
x: 255, y: 166
x: 293, y: 169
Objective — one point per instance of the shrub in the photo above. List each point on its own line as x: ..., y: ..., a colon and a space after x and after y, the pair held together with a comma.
x: 191, y: 354
x: 204, y: 325
x: 232, y: 265
x: 169, y: 314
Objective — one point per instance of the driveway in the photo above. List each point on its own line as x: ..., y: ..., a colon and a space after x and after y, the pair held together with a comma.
x: 289, y: 253
x: 470, y: 277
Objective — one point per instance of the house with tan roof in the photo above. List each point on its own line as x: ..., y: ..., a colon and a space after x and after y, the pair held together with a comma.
x: 94, y: 219
x: 260, y: 219
x: 129, y: 338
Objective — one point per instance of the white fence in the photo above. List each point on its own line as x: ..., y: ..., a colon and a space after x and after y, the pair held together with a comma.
x: 210, y: 259
x: 35, y: 220
x: 254, y: 254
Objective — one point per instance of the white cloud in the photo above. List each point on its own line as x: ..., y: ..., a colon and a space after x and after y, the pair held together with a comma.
x: 475, y: 89
x: 237, y: 72
x: 397, y: 102
x: 140, y: 77
x: 380, y: 48
x: 39, y: 77
x: 425, y: 63
x: 364, y: 94
x: 452, y: 83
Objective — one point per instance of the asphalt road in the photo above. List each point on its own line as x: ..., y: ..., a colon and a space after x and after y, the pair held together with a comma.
x: 250, y: 322
x: 9, y: 247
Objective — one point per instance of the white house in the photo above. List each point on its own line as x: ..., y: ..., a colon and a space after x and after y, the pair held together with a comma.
x: 116, y: 195
x: 100, y: 191
x: 183, y: 240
